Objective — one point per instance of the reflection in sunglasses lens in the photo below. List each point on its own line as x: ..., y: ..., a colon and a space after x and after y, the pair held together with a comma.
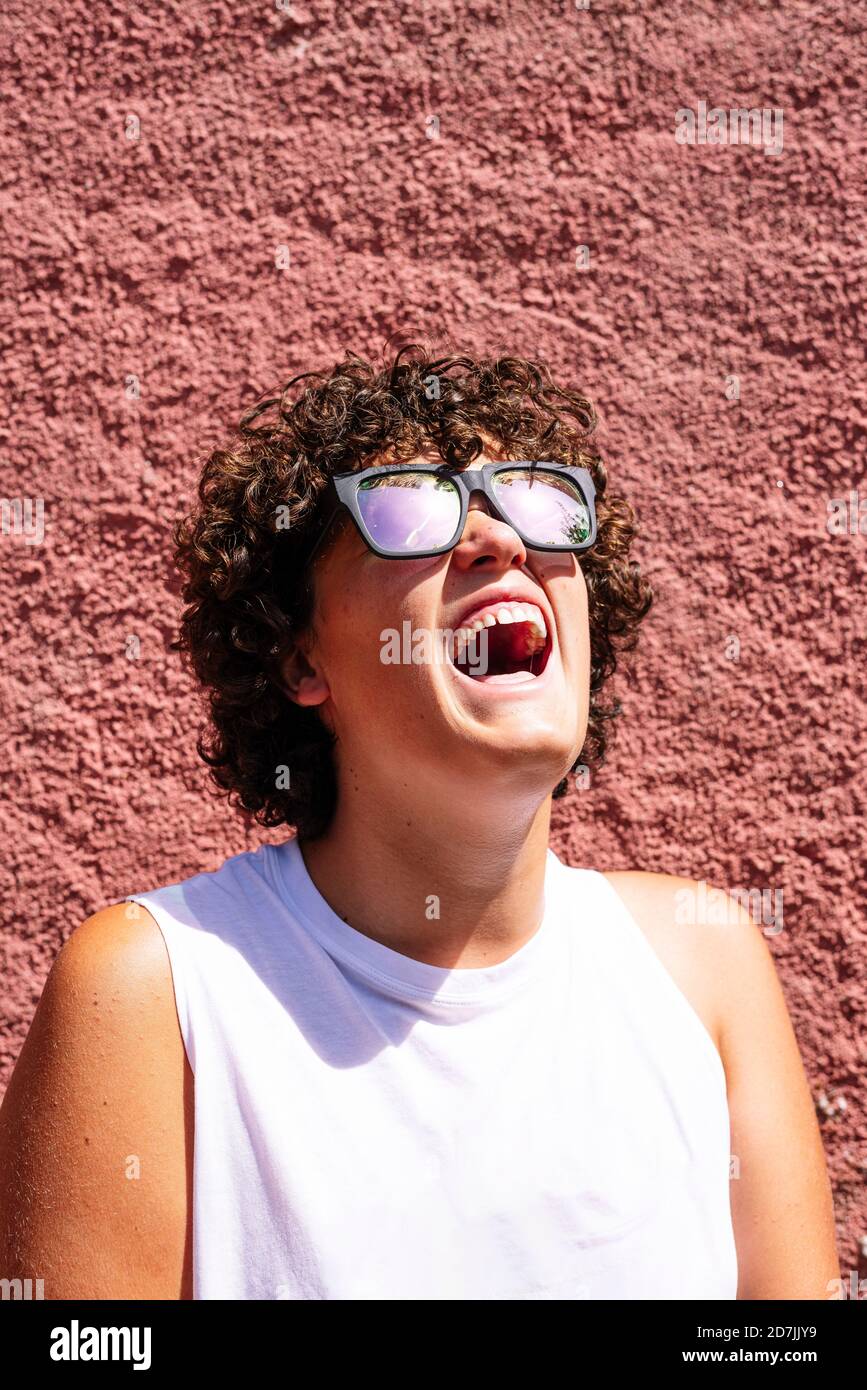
x: 548, y: 508
x: 410, y: 512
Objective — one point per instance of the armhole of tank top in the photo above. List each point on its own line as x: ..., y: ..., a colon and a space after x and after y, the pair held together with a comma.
x: 169, y: 933
x: 688, y: 1009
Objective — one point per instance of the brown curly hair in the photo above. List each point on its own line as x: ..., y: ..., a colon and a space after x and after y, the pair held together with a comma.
x: 242, y: 550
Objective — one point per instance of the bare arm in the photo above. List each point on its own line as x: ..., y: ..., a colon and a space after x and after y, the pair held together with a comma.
x: 96, y: 1125
x: 782, y: 1205
x: 782, y: 1211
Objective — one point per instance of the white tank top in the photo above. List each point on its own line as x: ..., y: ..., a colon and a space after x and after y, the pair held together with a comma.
x: 368, y: 1126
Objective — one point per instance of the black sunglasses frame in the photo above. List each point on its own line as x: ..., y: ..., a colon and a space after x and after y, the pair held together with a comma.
x: 343, y: 488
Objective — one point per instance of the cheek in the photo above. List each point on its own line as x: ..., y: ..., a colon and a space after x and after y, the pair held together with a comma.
x: 362, y: 649
x: 583, y: 621
x: 379, y: 615
x: 571, y: 606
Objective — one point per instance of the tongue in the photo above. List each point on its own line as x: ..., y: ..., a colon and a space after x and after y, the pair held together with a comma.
x: 509, y: 651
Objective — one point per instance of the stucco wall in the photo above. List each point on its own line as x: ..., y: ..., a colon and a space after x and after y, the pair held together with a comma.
x: 437, y: 168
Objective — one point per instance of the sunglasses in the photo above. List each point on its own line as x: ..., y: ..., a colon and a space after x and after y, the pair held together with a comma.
x: 419, y: 510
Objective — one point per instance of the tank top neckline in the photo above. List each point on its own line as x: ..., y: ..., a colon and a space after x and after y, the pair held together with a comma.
x: 472, y: 988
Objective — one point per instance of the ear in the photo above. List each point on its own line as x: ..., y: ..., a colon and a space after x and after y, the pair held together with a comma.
x: 303, y: 682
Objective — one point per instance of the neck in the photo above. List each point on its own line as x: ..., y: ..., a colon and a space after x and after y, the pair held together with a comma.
x: 456, y: 882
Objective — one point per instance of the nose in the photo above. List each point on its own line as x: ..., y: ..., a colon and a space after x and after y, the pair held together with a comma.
x: 488, y: 536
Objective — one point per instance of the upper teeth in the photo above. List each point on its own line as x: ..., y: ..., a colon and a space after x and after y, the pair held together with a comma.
x: 505, y: 613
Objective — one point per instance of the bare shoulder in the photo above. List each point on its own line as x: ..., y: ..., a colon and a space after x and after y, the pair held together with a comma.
x: 781, y: 1198
x: 707, y: 939
x: 96, y: 1124
x: 667, y: 907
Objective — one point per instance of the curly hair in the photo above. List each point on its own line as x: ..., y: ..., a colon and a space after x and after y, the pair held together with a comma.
x: 242, y: 549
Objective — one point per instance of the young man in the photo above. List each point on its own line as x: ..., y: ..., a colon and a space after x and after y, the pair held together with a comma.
x: 409, y: 1053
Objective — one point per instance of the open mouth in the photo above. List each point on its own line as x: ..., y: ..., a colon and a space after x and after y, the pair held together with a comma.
x: 506, y: 645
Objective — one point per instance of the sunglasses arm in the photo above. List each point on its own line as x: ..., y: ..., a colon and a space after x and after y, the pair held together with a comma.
x: 324, y: 531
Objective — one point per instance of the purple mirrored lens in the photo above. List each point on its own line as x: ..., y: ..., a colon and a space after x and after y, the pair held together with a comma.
x: 548, y: 508
x: 409, y: 512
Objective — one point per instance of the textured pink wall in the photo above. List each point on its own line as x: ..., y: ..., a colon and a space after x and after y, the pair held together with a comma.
x: 154, y: 257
